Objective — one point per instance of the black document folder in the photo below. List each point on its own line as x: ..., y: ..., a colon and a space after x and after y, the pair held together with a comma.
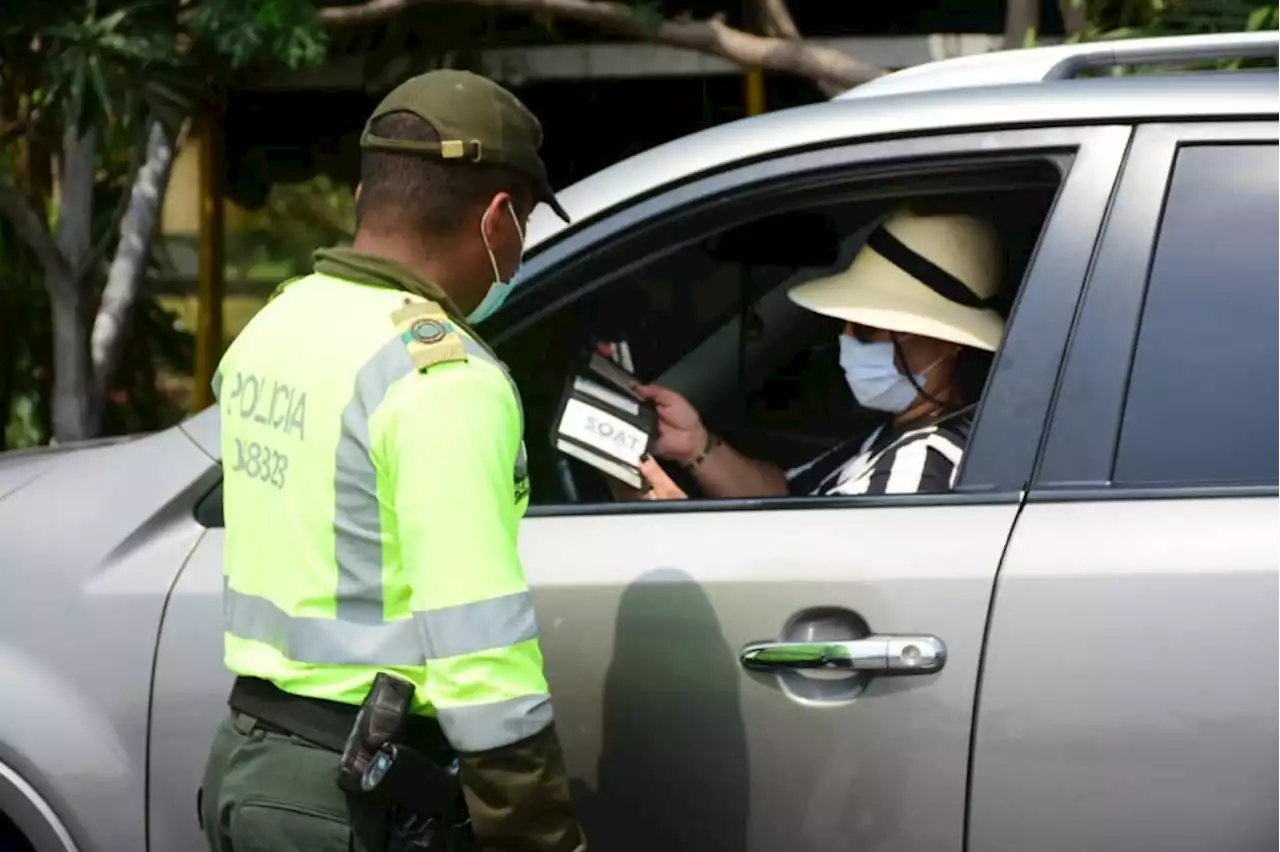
x: 603, y: 423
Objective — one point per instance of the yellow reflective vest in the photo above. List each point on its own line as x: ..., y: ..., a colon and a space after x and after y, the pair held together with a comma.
x: 374, y: 478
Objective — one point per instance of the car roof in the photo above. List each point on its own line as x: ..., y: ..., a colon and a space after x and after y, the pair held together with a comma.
x: 1064, y: 61
x: 1241, y: 94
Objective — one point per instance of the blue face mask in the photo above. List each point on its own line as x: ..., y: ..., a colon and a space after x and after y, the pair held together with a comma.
x: 874, y: 378
x: 499, y: 290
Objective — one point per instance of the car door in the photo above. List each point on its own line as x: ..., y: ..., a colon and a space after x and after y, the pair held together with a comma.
x: 646, y: 608
x: 1129, y: 692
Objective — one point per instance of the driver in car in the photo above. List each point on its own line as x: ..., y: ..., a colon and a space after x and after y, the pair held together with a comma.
x: 920, y: 329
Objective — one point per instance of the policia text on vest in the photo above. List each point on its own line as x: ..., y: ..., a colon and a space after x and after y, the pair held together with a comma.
x: 390, y: 691
x: 271, y: 403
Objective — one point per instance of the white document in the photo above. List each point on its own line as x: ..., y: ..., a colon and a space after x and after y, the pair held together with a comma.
x: 605, y: 394
x: 600, y: 429
x: 601, y: 462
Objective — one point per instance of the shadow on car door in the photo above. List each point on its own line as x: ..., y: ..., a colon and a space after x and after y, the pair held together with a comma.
x: 675, y: 746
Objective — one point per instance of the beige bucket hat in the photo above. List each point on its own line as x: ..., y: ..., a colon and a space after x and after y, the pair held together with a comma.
x: 933, y: 275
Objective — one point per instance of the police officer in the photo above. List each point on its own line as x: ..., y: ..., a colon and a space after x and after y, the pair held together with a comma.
x: 375, y: 475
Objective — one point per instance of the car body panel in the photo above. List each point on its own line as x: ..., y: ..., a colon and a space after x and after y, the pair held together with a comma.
x: 203, y: 429
x: 1129, y: 689
x: 189, y: 697
x: 1061, y: 62
x: 29, y: 813
x: 81, y: 613
x: 19, y: 468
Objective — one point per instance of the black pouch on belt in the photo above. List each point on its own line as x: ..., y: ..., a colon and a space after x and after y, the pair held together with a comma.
x: 381, y: 720
x: 376, y: 762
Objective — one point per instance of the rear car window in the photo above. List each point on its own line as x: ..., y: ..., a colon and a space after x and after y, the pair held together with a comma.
x: 1202, y: 400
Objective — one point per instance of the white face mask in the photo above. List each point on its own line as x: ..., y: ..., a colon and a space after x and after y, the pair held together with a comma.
x: 874, y: 378
x: 499, y: 290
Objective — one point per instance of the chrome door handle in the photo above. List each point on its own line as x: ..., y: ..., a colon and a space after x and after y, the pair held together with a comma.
x: 888, y: 655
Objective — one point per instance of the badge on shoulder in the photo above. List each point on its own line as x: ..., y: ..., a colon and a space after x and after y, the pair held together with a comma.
x: 429, y: 334
x: 603, y: 423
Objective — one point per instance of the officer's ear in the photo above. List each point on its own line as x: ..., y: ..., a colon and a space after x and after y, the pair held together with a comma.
x: 496, y: 216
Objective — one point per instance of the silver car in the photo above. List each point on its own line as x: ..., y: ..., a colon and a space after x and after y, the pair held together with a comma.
x: 1074, y: 649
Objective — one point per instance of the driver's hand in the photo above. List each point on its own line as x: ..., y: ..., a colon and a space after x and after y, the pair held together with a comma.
x: 661, y: 487
x: 681, y: 435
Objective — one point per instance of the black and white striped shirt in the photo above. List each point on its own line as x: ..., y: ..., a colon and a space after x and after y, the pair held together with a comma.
x: 921, y: 459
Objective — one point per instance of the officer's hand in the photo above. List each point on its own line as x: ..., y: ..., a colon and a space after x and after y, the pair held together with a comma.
x: 681, y: 435
x: 660, y: 485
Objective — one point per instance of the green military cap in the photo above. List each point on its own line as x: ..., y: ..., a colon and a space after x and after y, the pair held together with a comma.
x: 478, y: 121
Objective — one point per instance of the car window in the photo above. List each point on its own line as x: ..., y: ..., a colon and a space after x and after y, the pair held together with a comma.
x: 208, y: 511
x: 711, y: 320
x: 1202, y: 401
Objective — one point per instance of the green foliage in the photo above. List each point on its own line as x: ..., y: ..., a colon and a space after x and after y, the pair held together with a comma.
x: 1121, y: 19
x: 276, y: 242
x: 1141, y: 18
x: 25, y: 345
x: 158, y: 347
x: 114, y: 67
x: 1264, y: 18
x: 249, y: 32
x: 116, y: 64
x: 649, y: 14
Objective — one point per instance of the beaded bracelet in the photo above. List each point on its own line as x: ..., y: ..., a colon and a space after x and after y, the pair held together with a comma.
x: 712, y: 443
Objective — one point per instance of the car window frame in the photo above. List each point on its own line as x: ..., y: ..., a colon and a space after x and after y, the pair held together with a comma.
x: 1007, y: 434
x: 614, y: 263
x: 1083, y: 436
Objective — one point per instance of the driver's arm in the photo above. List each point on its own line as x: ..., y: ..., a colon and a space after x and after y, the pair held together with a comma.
x: 724, y: 472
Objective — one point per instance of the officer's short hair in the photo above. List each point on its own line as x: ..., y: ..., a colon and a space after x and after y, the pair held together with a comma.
x: 407, y: 192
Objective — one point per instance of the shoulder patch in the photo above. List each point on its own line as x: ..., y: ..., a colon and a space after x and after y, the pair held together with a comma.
x: 428, y: 334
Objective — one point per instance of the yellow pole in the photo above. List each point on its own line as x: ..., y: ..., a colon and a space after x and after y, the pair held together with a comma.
x: 209, y: 286
x: 754, y: 80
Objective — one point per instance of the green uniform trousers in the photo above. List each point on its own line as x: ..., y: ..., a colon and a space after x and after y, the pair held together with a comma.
x: 266, y: 791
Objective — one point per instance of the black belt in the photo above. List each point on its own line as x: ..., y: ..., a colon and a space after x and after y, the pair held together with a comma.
x: 325, y: 723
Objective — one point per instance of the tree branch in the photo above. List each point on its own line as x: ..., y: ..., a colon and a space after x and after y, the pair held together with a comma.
x: 75, y: 202
x: 779, y: 23
x: 710, y: 36
x: 69, y: 302
x: 99, y: 249
x: 33, y: 231
x: 124, y: 278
